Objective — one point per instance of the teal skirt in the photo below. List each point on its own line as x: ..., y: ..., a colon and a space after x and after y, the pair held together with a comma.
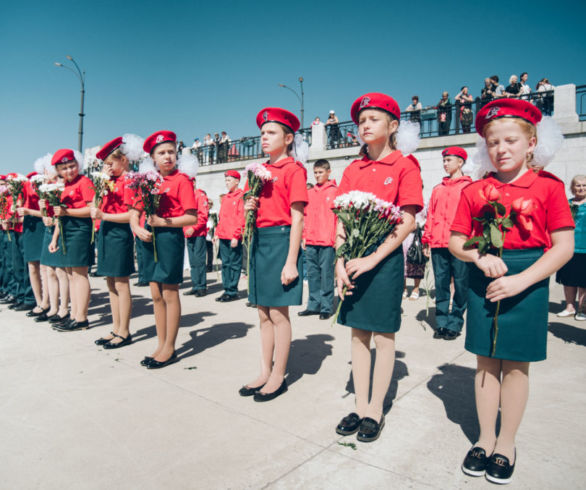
x: 33, y: 231
x: 47, y: 258
x: 115, y: 249
x: 375, y: 303
x: 170, y: 244
x: 268, y: 255
x: 77, y: 234
x: 522, y: 319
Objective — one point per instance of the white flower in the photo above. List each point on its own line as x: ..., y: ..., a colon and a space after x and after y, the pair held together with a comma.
x: 38, y: 178
x: 17, y: 178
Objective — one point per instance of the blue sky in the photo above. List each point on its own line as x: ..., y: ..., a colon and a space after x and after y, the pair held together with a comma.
x: 196, y: 67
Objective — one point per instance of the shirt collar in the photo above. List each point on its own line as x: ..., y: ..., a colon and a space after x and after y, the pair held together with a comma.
x: 281, y: 163
x: 524, y: 181
x: 390, y: 159
x: 172, y: 174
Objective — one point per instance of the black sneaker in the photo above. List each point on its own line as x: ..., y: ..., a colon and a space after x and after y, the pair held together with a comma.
x: 475, y: 462
x: 499, y: 469
x: 439, y: 333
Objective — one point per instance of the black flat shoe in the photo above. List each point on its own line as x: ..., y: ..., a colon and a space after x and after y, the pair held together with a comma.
x: 125, y: 341
x: 146, y: 361
x: 43, y: 317
x: 200, y: 293
x: 102, y: 341
x: 154, y: 364
x: 141, y: 284
x: 324, y: 316
x: 370, y: 429
x: 8, y: 300
x: 439, y: 333
x: 308, y: 313
x: 191, y: 292
x: 16, y: 304
x: 72, y: 326
x: 58, y: 319
x: 32, y: 313
x: 450, y: 335
x: 265, y: 397
x: 248, y: 391
x: 349, y: 424
x: 499, y: 469
x: 475, y: 462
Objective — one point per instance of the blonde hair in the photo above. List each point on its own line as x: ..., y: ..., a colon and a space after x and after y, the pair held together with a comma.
x: 392, y: 138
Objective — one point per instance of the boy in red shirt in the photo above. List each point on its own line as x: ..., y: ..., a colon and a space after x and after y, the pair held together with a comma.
x: 196, y: 245
x: 440, y: 214
x: 229, y: 232
x: 319, y: 234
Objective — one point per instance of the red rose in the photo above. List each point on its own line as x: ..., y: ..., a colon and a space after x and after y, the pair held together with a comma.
x: 523, y: 209
x: 490, y: 193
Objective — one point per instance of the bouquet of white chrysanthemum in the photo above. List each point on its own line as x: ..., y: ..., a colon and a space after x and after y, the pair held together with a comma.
x: 367, y: 221
x: 258, y: 174
x: 102, y: 184
x: 15, y: 185
x: 37, y: 181
x: 52, y: 194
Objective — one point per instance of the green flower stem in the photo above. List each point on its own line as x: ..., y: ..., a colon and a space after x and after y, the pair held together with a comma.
x: 154, y: 245
x: 62, y: 237
x: 498, y: 307
x: 344, y: 290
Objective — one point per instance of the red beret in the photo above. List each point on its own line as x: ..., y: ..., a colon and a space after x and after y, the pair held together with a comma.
x: 109, y: 148
x: 32, y: 174
x: 276, y: 114
x: 158, y: 138
x: 232, y: 173
x: 506, y: 108
x: 375, y: 100
x: 2, y: 177
x: 62, y: 156
x: 11, y: 175
x: 455, y: 151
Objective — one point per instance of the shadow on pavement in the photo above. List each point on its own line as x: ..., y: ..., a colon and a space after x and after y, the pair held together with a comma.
x: 307, y: 355
x: 454, y: 386
x: 206, y: 338
x: 189, y: 320
x: 427, y: 316
x: 568, y: 333
x: 400, y: 371
x: 140, y: 306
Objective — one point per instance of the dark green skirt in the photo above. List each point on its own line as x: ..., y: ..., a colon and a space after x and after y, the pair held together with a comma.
x: 170, y: 244
x: 33, y: 231
x: 375, y: 304
x: 77, y: 234
x: 522, y: 319
x: 268, y: 255
x: 47, y: 258
x: 115, y: 249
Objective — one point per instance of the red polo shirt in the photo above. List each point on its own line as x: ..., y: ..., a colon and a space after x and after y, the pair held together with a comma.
x: 395, y: 179
x: 78, y: 192
x: 551, y: 210
x: 201, y: 227
x: 31, y: 199
x: 288, y: 185
x: 231, y: 218
x: 115, y: 201
x: 441, y: 211
x: 319, y: 226
x: 14, y: 225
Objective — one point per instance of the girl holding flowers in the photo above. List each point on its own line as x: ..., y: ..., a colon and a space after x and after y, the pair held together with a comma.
x: 274, y: 205
x: 529, y: 237
x: 73, y: 246
x: 115, y: 240
x: 371, y: 287
x: 162, y: 240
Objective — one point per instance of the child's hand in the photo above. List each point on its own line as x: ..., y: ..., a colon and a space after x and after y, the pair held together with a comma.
x: 53, y: 247
x: 58, y: 211
x: 251, y: 204
x: 96, y: 213
x: 342, y: 279
x: 303, y: 244
x: 144, y: 235
x: 505, y: 287
x: 289, y: 274
x: 47, y: 221
x: 189, y: 231
x: 491, y: 265
x: 356, y: 267
x: 22, y: 211
x: 234, y: 243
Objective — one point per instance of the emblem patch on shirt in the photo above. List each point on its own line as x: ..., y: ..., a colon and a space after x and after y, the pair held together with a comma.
x: 493, y: 112
x: 388, y: 180
x: 167, y: 190
x: 160, y: 138
x: 364, y: 102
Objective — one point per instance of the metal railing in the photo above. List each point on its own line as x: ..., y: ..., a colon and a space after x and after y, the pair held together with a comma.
x: 581, y: 102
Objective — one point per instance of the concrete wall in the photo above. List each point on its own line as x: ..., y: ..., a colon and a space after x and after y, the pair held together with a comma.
x: 569, y: 161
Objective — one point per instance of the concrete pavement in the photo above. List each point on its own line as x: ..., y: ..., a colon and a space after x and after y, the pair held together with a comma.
x: 75, y: 416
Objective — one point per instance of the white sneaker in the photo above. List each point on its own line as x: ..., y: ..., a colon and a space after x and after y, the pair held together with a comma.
x: 580, y: 317
x: 565, y: 313
x: 414, y: 296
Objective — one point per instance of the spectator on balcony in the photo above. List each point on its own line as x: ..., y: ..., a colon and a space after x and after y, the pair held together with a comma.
x: 444, y: 114
x: 317, y: 121
x: 464, y: 101
x: 545, y: 98
x: 333, y: 128
x: 197, y: 150
x: 525, y: 87
x: 217, y: 147
x: 497, y: 87
x: 209, y: 145
x: 487, y: 92
x: 414, y: 110
x: 514, y: 87
x: 180, y: 147
x: 223, y: 147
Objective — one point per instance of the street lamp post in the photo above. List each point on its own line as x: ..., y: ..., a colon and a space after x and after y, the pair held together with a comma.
x: 81, y: 75
x: 300, y: 97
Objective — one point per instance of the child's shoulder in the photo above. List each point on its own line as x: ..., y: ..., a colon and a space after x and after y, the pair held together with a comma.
x: 548, y: 176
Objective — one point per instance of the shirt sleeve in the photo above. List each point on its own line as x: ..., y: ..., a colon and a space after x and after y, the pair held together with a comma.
x: 298, y: 186
x: 86, y: 190
x: 426, y: 238
x: 411, y: 188
x: 186, y: 195
x: 463, y: 220
x: 558, y: 209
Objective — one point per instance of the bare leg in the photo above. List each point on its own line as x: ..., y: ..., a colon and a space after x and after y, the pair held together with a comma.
x: 581, y: 297
x: 44, y: 287
x: 383, y: 373
x: 160, y: 311
x: 267, y: 347
x: 122, y: 285
x: 282, y: 344
x: 114, y: 305
x: 34, y: 272
x: 53, y: 288
x: 361, y: 368
x: 63, y: 290
x: 416, y: 283
x: 514, y: 394
x: 487, y: 388
x: 81, y: 285
x: 570, y: 294
x: 173, y: 315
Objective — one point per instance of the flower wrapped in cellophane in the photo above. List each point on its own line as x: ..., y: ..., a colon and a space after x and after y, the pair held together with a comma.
x: 102, y: 185
x: 367, y: 221
x: 52, y: 194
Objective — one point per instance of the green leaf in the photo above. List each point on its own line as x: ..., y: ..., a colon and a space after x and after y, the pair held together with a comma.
x: 496, y: 237
x: 473, y: 241
x: 507, y: 223
x: 501, y: 210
